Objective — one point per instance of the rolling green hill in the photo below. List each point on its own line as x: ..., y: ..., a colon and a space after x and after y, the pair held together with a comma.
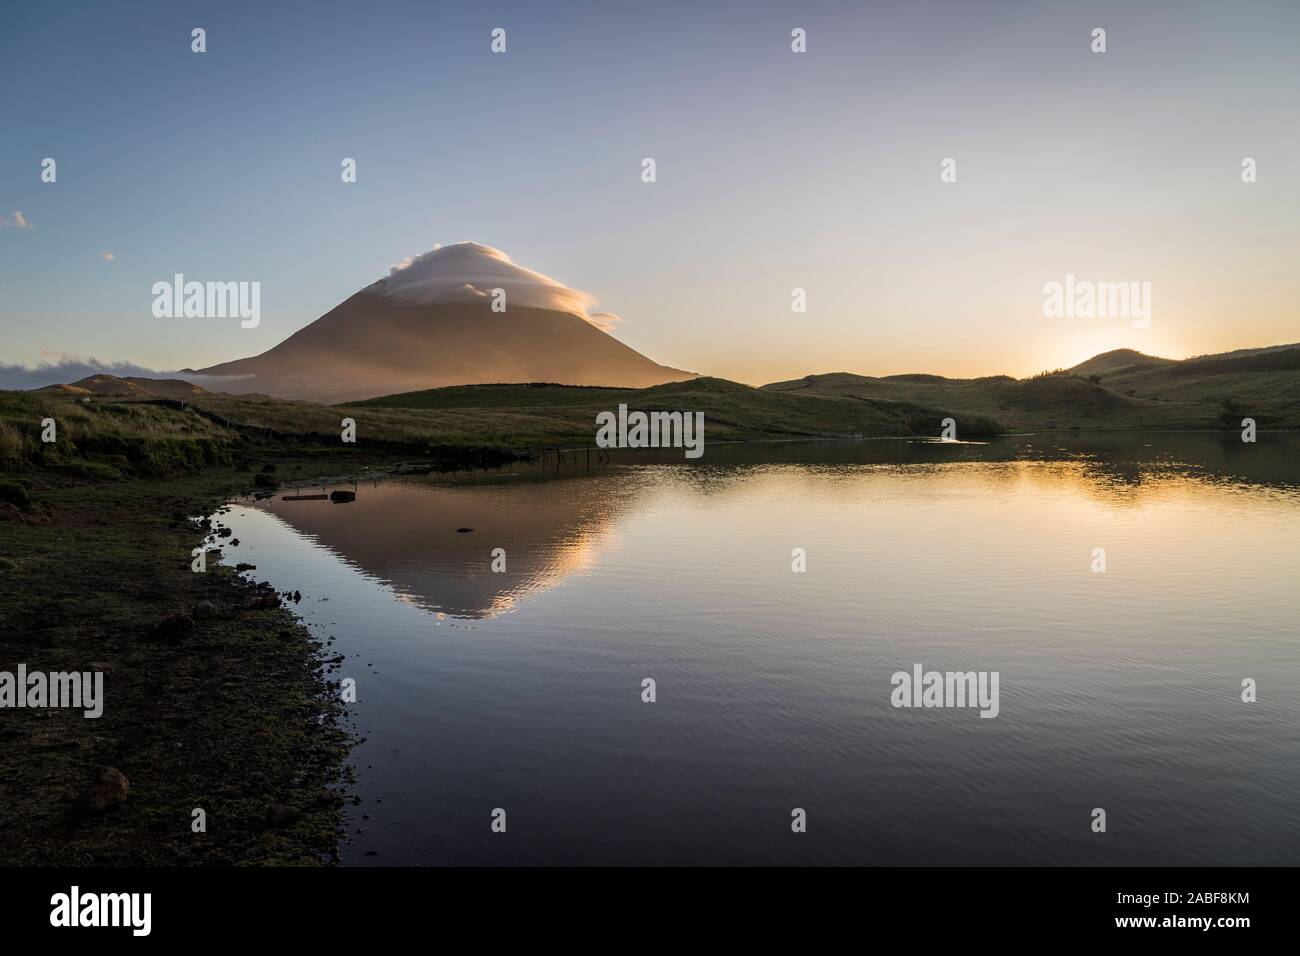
x: 1108, y: 362
x: 141, y: 434
x: 129, y: 387
x: 562, y: 414
x: 1122, y: 389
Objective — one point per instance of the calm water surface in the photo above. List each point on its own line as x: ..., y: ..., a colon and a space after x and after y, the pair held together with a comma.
x: 522, y: 690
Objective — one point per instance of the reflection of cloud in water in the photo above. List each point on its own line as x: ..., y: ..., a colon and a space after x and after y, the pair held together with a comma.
x: 405, y: 534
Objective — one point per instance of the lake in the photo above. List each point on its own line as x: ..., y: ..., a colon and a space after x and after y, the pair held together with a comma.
x: 522, y: 689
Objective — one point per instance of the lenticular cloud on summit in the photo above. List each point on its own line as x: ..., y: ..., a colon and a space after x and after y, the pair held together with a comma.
x: 469, y: 271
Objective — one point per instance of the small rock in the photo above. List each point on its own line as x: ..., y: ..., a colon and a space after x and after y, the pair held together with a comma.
x: 341, y: 497
x: 464, y: 530
x: 108, y: 790
x: 245, y: 567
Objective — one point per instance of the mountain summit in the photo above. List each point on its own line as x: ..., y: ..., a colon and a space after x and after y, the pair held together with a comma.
x: 431, y: 322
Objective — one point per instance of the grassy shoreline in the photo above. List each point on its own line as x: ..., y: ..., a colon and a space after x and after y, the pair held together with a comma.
x: 217, y: 714
x: 216, y: 695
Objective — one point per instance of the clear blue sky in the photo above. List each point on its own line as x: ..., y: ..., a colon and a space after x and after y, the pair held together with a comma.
x: 775, y: 170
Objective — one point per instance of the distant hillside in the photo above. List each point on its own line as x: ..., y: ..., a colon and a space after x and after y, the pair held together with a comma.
x: 527, y: 395
x: 731, y: 410
x: 63, y: 390
x: 1269, y: 360
x: 1050, y: 401
x: 131, y: 386
x: 1115, y: 390
x: 137, y: 434
x: 1118, y: 359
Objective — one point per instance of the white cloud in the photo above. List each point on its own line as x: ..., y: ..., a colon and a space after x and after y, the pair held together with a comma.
x: 64, y: 370
x: 58, y: 368
x: 107, y: 256
x: 468, y: 271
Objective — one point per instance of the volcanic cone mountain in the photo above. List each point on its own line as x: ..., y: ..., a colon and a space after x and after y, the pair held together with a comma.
x: 431, y: 322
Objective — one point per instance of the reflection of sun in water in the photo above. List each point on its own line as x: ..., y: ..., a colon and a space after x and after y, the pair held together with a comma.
x: 577, y: 555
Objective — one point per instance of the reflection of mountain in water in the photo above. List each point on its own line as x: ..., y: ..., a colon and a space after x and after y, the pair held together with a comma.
x: 405, y: 534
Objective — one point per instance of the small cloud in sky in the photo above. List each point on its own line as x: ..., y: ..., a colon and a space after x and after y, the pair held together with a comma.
x: 406, y: 263
x: 107, y: 256
x: 605, y: 321
x: 19, y: 221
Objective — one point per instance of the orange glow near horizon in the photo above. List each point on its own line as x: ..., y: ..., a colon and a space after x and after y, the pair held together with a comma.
x: 1062, y: 352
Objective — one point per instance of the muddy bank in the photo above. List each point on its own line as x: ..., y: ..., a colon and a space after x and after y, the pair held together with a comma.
x: 216, y: 698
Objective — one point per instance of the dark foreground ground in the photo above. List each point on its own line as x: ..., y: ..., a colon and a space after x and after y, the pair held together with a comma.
x: 216, y: 696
